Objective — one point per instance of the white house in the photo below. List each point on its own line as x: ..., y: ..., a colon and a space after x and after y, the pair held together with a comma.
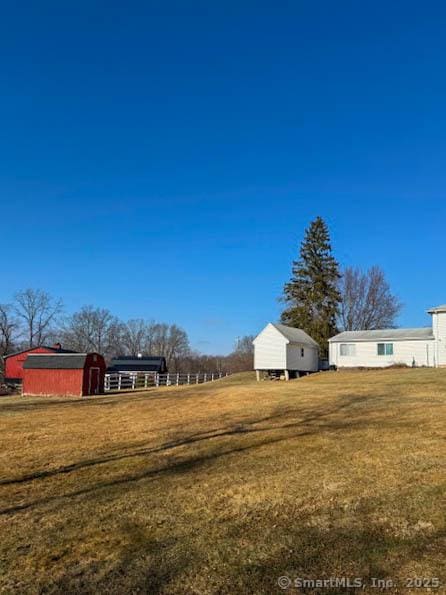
x: 280, y: 348
x: 381, y: 348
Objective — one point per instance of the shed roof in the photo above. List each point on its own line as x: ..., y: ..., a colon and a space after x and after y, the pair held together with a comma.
x: 398, y: 334
x: 437, y: 309
x: 55, y: 361
x: 295, y: 335
x: 144, y: 358
x: 129, y: 363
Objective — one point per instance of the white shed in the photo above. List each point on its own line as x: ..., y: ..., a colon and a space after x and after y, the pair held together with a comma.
x: 280, y: 348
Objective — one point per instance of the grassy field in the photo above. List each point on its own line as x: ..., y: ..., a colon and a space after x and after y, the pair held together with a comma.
x: 225, y: 487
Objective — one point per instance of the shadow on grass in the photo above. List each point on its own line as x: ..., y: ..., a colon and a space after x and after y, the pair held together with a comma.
x: 190, y: 563
x: 311, y: 417
x: 347, y: 414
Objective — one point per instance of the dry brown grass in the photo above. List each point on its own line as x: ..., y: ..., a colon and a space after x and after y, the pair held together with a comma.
x: 224, y: 487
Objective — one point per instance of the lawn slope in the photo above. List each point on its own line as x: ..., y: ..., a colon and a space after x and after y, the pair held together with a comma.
x: 224, y: 487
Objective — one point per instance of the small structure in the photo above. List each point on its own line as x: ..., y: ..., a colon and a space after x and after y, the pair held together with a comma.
x: 63, y: 374
x: 14, y: 361
x: 412, y: 347
x: 130, y: 364
x: 281, y: 349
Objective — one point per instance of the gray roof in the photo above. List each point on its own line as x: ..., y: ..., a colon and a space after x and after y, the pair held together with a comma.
x: 437, y: 309
x: 60, y: 361
x: 398, y: 334
x: 295, y: 335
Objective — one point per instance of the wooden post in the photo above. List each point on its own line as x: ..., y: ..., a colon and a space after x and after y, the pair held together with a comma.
x: 258, y: 375
x: 205, y: 378
x: 178, y: 378
x: 145, y: 380
x: 287, y: 375
x: 168, y: 379
x: 196, y: 379
x: 157, y: 379
x: 133, y: 381
x: 188, y: 379
x: 119, y: 381
x: 212, y: 378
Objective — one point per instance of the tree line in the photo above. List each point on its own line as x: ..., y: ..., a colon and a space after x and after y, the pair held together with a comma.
x: 319, y: 298
x: 35, y: 318
x: 323, y: 300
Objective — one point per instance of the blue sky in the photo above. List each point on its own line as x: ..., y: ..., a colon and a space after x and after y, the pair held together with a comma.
x: 162, y: 159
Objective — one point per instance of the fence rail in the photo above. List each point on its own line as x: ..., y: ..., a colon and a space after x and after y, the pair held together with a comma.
x: 136, y: 380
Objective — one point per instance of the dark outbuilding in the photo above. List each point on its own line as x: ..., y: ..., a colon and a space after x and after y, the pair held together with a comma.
x: 64, y: 374
x: 126, y: 363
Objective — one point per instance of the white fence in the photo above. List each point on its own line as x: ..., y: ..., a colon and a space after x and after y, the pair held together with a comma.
x: 137, y: 380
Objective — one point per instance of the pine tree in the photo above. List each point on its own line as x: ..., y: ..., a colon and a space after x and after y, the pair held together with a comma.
x: 312, y: 294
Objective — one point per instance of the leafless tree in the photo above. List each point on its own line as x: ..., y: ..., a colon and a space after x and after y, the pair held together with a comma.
x: 197, y: 363
x: 242, y: 358
x: 244, y: 345
x: 135, y: 336
x: 8, y: 329
x: 94, y: 329
x: 38, y: 312
x: 171, y: 341
x: 367, y: 302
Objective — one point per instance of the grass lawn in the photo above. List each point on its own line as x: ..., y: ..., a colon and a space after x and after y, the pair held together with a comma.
x: 224, y: 487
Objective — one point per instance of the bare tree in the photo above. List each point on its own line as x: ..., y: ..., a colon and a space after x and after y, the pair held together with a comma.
x: 135, y: 336
x: 8, y: 329
x: 94, y: 329
x: 367, y: 302
x: 169, y: 341
x: 38, y: 312
x: 244, y: 345
x: 242, y: 358
x: 177, y: 346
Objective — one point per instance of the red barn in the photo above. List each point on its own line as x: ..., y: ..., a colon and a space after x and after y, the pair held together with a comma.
x: 14, y: 361
x: 63, y: 374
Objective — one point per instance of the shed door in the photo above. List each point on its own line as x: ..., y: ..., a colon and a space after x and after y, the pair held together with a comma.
x: 93, y: 383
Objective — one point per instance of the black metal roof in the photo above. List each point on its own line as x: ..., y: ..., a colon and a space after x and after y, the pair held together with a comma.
x: 144, y: 358
x: 128, y: 363
x: 55, y: 361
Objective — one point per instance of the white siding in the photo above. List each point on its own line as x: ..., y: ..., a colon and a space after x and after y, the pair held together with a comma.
x: 404, y: 352
x: 270, y: 350
x: 308, y: 363
x: 439, y: 328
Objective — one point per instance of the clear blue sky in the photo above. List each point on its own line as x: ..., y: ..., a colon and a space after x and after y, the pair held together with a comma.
x: 162, y: 159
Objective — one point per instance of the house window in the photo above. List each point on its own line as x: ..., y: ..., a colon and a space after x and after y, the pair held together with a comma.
x: 385, y: 348
x: 302, y: 352
x: 348, y: 349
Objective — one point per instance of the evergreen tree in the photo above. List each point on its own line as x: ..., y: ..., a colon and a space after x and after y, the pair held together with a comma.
x: 312, y: 294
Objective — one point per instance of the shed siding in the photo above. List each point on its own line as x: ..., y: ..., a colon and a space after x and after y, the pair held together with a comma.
x: 270, y: 350
x: 308, y: 363
x: 53, y: 382
x: 404, y: 352
x: 58, y: 381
